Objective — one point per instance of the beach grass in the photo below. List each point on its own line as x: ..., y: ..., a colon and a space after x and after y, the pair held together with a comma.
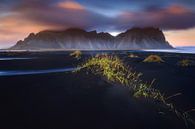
x: 76, y: 54
x: 116, y: 72
x: 153, y: 59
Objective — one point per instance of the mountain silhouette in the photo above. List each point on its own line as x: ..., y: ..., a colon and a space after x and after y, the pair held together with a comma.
x: 74, y: 38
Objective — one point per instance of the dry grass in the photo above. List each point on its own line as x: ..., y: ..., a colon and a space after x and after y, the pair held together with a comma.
x: 153, y: 58
x: 76, y: 54
x: 185, y: 63
x: 116, y: 72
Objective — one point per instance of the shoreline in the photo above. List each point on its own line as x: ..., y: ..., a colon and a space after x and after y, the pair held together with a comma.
x: 174, y: 50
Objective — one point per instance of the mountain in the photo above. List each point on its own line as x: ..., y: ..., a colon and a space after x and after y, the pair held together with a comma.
x: 143, y: 38
x: 136, y: 38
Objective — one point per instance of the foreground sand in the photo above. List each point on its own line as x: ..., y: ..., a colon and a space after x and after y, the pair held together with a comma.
x: 80, y: 100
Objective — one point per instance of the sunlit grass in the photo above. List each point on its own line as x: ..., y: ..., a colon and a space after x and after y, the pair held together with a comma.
x: 112, y: 68
x: 185, y: 63
x: 153, y: 58
x: 76, y: 54
x: 116, y: 72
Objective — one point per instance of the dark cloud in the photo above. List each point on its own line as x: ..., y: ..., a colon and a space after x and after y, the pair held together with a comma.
x: 61, y: 17
x: 134, y: 4
x: 166, y: 14
x: 172, y: 17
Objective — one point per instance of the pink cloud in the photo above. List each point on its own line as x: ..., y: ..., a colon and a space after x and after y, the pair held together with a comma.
x: 70, y: 5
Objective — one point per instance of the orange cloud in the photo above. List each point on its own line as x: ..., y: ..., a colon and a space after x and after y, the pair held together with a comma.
x: 13, y: 29
x: 19, y: 24
x: 177, y: 9
x: 71, y: 5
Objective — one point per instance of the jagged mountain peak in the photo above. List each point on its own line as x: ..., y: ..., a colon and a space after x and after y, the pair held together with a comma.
x: 137, y: 30
x: 74, y: 38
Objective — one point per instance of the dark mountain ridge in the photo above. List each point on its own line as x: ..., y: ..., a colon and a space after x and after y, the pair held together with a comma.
x: 135, y: 38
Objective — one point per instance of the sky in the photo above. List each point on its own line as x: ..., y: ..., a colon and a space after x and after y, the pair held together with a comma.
x: 176, y: 18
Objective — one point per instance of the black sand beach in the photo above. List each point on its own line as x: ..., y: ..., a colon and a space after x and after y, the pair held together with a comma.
x: 85, y: 101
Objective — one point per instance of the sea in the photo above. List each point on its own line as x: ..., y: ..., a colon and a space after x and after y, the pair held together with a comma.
x: 188, y: 49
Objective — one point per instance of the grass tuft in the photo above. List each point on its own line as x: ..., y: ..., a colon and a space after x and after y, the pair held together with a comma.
x: 76, y: 54
x: 186, y: 63
x: 153, y: 58
x: 116, y: 72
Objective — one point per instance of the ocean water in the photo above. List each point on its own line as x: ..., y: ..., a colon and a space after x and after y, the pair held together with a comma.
x: 13, y: 58
x: 18, y: 72
x: 32, y: 72
x: 187, y: 49
x: 190, y: 50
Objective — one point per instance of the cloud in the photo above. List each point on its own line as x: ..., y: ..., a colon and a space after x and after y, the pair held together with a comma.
x: 25, y: 16
x: 171, y: 17
x: 131, y: 5
x: 70, y: 5
x: 62, y: 14
x: 177, y: 10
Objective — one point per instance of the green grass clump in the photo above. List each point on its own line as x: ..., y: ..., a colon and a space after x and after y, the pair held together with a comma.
x: 109, y: 67
x: 114, y: 71
x: 153, y: 58
x: 145, y: 90
x: 76, y: 54
x: 185, y: 63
